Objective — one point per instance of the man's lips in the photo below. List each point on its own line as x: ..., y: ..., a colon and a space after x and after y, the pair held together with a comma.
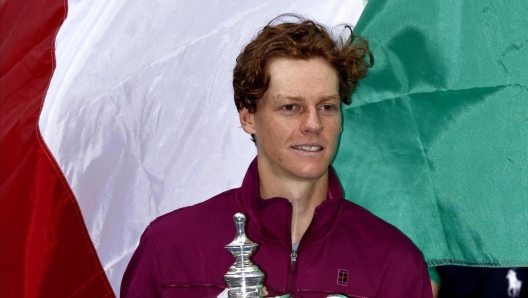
x: 308, y: 148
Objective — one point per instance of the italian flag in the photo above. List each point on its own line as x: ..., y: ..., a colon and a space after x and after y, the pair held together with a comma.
x: 116, y: 112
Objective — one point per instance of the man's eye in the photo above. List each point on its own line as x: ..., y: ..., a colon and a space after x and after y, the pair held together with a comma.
x: 289, y: 107
x: 328, y: 107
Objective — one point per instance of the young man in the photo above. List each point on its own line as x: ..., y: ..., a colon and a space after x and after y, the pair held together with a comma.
x: 289, y: 83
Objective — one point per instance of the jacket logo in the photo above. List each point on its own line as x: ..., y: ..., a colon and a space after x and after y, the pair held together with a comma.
x: 342, y: 277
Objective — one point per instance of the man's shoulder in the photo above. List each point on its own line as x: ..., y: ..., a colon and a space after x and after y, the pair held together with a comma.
x: 376, y: 232
x: 383, y: 252
x: 181, y: 242
x: 212, y: 212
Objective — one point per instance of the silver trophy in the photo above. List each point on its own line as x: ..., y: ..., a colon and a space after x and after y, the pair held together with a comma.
x: 243, y: 279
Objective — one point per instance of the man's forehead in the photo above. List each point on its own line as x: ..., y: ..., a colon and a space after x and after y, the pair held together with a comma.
x: 286, y: 69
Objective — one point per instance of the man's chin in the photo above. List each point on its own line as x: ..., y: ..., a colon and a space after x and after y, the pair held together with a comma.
x: 311, y: 173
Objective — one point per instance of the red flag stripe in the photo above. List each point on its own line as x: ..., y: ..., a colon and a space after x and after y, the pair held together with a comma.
x: 45, y: 247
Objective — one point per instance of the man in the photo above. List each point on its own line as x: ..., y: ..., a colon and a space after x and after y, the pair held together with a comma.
x: 289, y: 83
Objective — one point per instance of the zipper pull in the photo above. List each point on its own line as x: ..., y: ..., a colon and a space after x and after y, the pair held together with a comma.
x: 293, y: 260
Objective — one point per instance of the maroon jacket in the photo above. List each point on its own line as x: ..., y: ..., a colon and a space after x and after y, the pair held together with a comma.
x: 345, y: 250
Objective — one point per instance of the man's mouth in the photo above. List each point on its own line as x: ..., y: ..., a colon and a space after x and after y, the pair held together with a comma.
x: 308, y: 148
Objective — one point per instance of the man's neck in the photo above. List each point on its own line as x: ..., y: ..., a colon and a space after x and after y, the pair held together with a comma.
x: 304, y: 195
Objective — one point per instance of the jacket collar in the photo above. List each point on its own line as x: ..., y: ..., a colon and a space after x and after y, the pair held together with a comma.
x: 272, y: 217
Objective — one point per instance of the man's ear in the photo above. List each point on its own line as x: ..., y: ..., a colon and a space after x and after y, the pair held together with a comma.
x: 247, y: 121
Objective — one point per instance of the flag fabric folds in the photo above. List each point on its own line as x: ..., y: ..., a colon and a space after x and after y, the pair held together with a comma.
x: 436, y: 141
x: 46, y: 250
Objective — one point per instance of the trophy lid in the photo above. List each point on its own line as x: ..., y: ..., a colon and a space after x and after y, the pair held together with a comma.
x: 240, y: 238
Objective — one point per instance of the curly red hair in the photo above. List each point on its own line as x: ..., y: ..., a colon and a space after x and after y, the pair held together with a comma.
x: 303, y: 39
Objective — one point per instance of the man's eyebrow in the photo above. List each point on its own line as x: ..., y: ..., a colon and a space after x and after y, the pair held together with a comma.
x: 331, y: 97
x: 292, y: 97
x: 301, y: 98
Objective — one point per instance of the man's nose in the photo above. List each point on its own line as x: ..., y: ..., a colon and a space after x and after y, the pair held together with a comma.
x: 312, y: 121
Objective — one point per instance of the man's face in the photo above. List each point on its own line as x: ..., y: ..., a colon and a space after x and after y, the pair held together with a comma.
x: 298, y: 120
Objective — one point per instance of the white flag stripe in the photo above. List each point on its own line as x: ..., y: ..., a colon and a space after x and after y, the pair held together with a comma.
x: 140, y: 113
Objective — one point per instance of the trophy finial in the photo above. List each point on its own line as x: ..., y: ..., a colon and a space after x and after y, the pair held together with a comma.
x: 240, y: 222
x: 240, y: 237
x: 239, y: 218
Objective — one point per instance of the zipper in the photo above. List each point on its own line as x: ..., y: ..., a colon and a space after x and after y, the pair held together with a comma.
x: 292, y: 274
x: 293, y: 260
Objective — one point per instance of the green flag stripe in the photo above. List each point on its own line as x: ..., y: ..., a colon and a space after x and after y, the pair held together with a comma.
x: 436, y: 140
